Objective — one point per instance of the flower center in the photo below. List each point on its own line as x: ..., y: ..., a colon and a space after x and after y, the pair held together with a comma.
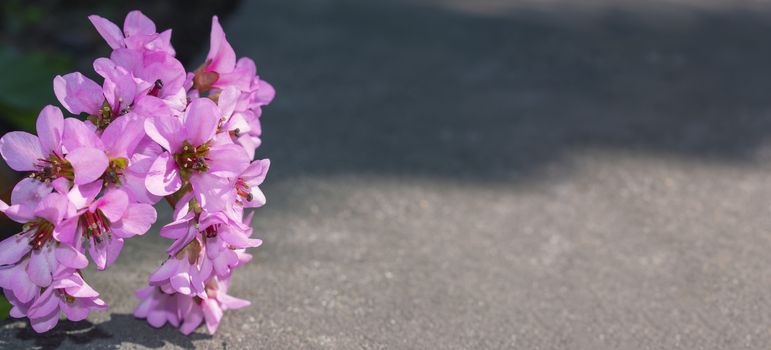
x: 192, y: 158
x: 41, y: 230
x: 157, y: 86
x: 243, y: 190
x: 94, y: 225
x: 52, y: 168
x: 114, y: 173
x: 107, y: 114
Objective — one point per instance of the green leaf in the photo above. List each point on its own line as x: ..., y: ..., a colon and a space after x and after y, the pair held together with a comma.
x: 5, y: 307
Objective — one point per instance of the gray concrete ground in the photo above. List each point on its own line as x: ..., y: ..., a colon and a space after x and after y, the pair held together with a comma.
x: 494, y: 175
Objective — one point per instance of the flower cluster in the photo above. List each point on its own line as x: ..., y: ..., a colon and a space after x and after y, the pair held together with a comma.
x: 152, y: 131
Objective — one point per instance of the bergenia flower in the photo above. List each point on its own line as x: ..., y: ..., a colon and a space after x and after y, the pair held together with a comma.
x: 68, y: 294
x: 193, y: 155
x: 153, y: 131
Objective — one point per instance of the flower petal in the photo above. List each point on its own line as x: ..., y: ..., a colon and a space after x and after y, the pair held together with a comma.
x: 163, y: 177
x: 166, y: 131
x: 21, y: 150
x: 13, y: 248
x: 52, y: 207
x: 200, y: 121
x: 136, y: 220
x: 108, y: 30
x: 137, y: 23
x: 78, y: 94
x: 39, y: 271
x: 113, y: 204
x: 89, y: 164
x: 77, y: 134
x: 50, y: 126
x: 221, y: 56
x: 71, y: 257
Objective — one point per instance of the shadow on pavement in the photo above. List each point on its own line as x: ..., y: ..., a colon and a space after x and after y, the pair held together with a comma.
x: 403, y: 89
x: 112, y: 334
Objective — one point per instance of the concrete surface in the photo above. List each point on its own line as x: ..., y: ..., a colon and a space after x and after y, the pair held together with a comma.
x: 474, y: 175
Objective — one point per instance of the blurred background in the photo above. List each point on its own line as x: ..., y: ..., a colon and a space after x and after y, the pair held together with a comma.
x: 465, y: 174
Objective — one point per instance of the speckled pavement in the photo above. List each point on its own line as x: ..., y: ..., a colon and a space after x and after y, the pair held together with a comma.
x: 493, y: 175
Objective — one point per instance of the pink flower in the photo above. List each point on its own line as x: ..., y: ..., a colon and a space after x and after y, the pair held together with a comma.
x: 68, y: 294
x: 193, y: 154
x: 187, y: 311
x: 104, y: 222
x: 248, y: 182
x: 29, y: 258
x: 44, y: 156
x: 220, y: 69
x: 138, y: 33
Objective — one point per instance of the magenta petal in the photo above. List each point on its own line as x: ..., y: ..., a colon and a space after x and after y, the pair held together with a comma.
x: 77, y: 134
x: 212, y: 314
x: 192, y: 321
x: 114, y: 246
x: 212, y: 192
x: 78, y: 94
x: 163, y: 178
x: 52, y: 207
x: 157, y: 318
x: 137, y: 23
x: 113, y: 204
x: 39, y: 270
x: 13, y: 248
x: 230, y: 302
x: 75, y: 311
x: 71, y: 257
x: 227, y: 101
x: 181, y: 279
x: 45, y: 324
x: 123, y: 135
x: 108, y: 30
x: 166, y: 131
x: 221, y: 56
x: 166, y: 270
x: 98, y: 252
x: 50, y: 126
x: 136, y: 220
x: 227, y: 160
x: 200, y: 121
x: 65, y: 231
x: 44, y: 305
x: 23, y: 288
x: 82, y: 196
x: 21, y: 150
x: 89, y: 164
x: 29, y: 192
x: 238, y: 239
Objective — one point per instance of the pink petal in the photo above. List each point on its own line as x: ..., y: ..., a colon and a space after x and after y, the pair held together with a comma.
x: 265, y: 92
x: 66, y: 230
x: 45, y: 324
x: 212, y: 313
x: 53, y: 207
x: 23, y: 288
x: 229, y: 302
x: 89, y: 164
x: 137, y: 23
x: 21, y: 150
x: 39, y: 270
x: 181, y: 279
x: 50, y: 126
x: 136, y: 220
x: 75, y: 311
x: 113, y: 204
x: 98, y: 252
x: 108, y: 30
x: 221, y: 56
x: 13, y: 248
x: 82, y: 196
x: 78, y: 94
x: 212, y: 192
x: 200, y: 121
x: 192, y: 321
x: 166, y: 131
x: 44, y: 305
x: 227, y: 100
x: 123, y: 135
x: 157, y: 318
x: 227, y: 160
x: 238, y: 239
x: 165, y: 271
x: 71, y: 257
x: 29, y: 192
x: 163, y: 178
x: 77, y: 134
x: 114, y: 246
